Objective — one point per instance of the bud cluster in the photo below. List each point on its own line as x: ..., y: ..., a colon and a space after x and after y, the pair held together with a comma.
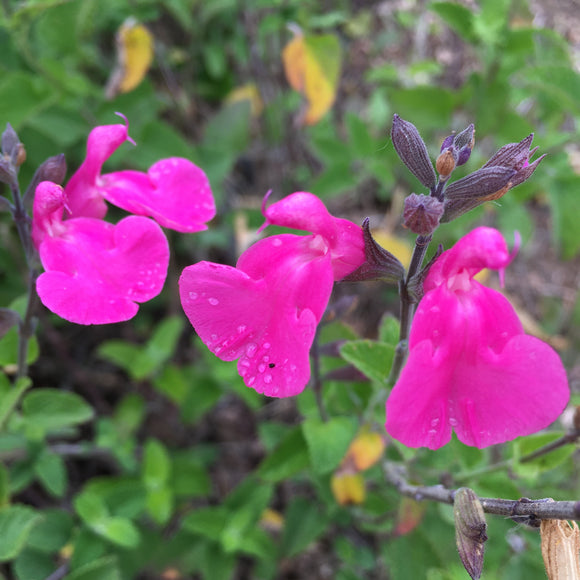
x: 508, y: 167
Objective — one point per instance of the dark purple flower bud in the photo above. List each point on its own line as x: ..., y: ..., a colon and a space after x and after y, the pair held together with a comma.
x: 422, y: 213
x: 413, y: 151
x: 10, y: 141
x: 470, y: 530
x: 463, y: 156
x: 53, y: 169
x: 514, y: 155
x: 456, y: 148
x: 485, y: 184
x: 379, y: 264
x: 447, y: 142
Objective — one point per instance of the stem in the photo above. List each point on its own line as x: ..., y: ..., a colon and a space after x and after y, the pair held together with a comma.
x: 27, y: 325
x: 531, y: 510
x: 407, y: 306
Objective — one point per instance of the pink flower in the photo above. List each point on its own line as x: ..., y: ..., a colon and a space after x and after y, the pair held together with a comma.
x: 174, y: 191
x: 96, y: 272
x: 265, y: 311
x: 471, y: 367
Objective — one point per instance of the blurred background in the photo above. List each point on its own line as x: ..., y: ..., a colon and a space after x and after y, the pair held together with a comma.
x: 181, y: 471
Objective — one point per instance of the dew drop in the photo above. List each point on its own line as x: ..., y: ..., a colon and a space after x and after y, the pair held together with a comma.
x: 245, y: 363
x: 292, y: 368
x: 241, y: 328
x: 434, y: 422
x: 452, y: 421
x: 266, y: 358
x: 432, y: 432
x: 251, y: 349
x: 214, y: 336
x: 268, y: 378
x: 435, y: 309
x: 193, y: 295
x: 213, y: 301
x: 435, y: 333
x: 267, y: 345
x: 276, y: 242
x: 251, y: 381
x: 261, y: 367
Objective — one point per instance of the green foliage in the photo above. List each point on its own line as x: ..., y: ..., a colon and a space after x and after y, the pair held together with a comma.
x: 145, y: 455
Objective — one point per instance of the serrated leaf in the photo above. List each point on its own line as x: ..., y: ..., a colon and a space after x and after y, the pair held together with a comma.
x: 372, y: 358
x: 16, y: 523
x: 54, y: 409
x: 328, y: 441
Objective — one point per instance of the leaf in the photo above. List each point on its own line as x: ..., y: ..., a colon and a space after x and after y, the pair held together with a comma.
x: 303, y: 524
x: 312, y: 66
x: 134, y: 57
x: 287, y: 459
x: 372, y: 358
x: 119, y: 531
x: 53, y: 409
x: 156, y: 464
x: 51, y: 471
x: 102, y: 569
x: 526, y: 445
x: 10, y: 395
x: 52, y: 532
x: 16, y: 523
x: 207, y: 522
x: 348, y: 488
x: 328, y: 441
x: 458, y: 17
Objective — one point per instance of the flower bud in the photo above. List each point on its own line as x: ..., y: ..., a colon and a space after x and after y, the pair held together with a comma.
x: 53, y: 169
x: 7, y: 174
x: 19, y: 155
x: 9, y: 141
x: 378, y: 265
x: 413, y: 151
x: 445, y: 163
x: 422, y: 213
x: 470, y: 530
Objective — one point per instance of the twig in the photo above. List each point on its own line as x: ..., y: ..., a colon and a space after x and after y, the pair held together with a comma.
x: 532, y: 511
x: 59, y: 573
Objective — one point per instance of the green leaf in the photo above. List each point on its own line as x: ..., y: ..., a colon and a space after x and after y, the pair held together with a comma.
x: 120, y: 353
x: 32, y: 564
x: 156, y: 464
x: 160, y: 504
x: 207, y: 522
x: 215, y: 563
x: 51, y: 471
x: 328, y: 441
x: 119, y: 531
x: 229, y: 130
x: 102, y: 569
x: 372, y: 358
x: 52, y: 532
x: 303, y: 524
x: 16, y: 523
x: 526, y: 445
x: 189, y: 478
x: 91, y: 508
x: 458, y: 17
x: 87, y: 547
x: 289, y: 457
x: 10, y: 395
x: 53, y: 409
x: 4, y: 486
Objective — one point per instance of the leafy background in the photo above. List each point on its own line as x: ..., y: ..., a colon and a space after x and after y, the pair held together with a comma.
x: 137, y: 454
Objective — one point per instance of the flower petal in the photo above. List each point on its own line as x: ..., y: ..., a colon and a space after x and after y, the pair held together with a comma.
x: 174, y: 191
x: 96, y: 271
x: 83, y: 193
x: 268, y: 323
x: 304, y: 211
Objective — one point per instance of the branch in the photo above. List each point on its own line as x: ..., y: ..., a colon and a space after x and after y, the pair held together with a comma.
x: 527, y: 510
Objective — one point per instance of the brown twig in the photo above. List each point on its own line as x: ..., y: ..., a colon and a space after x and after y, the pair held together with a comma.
x: 527, y: 510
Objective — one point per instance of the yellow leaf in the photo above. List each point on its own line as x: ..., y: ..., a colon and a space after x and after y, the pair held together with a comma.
x: 348, y: 488
x: 366, y: 449
x: 312, y: 67
x: 134, y: 57
x: 250, y: 93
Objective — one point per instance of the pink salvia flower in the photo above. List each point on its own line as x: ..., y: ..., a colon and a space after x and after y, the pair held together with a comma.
x: 471, y: 368
x: 95, y: 272
x: 265, y: 311
x: 174, y: 191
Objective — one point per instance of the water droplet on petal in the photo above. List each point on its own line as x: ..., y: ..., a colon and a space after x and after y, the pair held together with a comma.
x: 267, y: 345
x: 251, y: 381
x: 261, y: 367
x: 213, y: 301
x: 452, y: 421
x: 266, y: 358
x: 251, y: 349
x: 276, y: 242
x: 241, y: 328
x: 434, y: 422
x: 435, y: 309
x: 268, y: 379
